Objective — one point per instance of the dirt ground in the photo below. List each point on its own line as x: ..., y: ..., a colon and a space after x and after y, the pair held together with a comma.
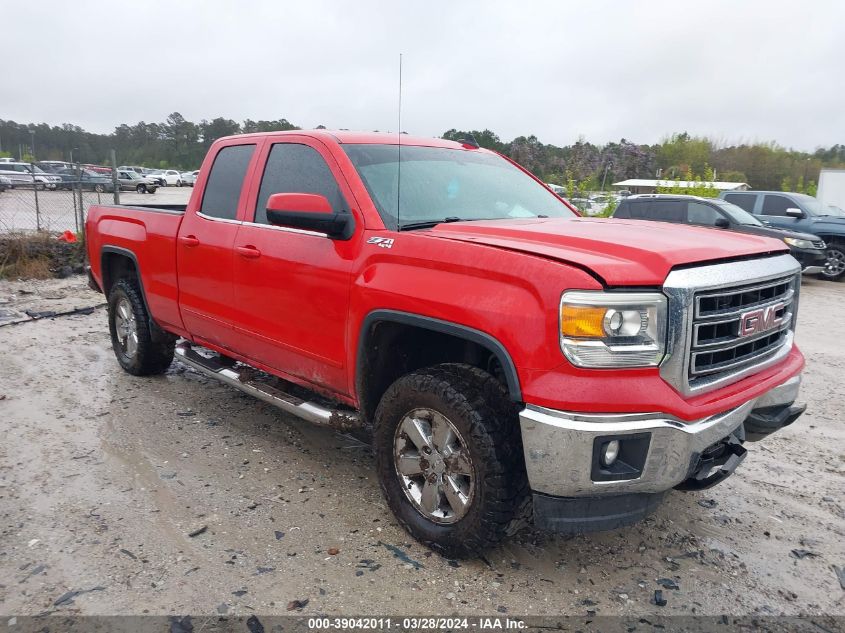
x: 104, y: 478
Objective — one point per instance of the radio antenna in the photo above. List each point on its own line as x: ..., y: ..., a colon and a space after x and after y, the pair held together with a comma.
x: 399, y: 161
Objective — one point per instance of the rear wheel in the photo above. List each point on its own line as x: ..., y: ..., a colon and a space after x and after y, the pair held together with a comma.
x: 835, y: 267
x: 449, y: 457
x: 138, y: 351
x: 99, y: 188
x: 178, y: 183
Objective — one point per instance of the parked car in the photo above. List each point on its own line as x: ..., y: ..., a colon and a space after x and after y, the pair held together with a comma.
x: 87, y: 179
x: 584, y: 205
x: 157, y: 176
x: 190, y: 177
x: 25, y: 174
x: 171, y: 177
x: 808, y: 249
x: 799, y: 212
x: 131, y: 181
x: 52, y: 166
x: 503, y: 351
x: 5, y: 183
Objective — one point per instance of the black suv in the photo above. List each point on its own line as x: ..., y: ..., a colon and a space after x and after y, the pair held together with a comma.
x: 808, y: 249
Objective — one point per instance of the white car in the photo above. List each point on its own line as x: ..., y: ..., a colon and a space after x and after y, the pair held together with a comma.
x: 190, y: 177
x: 26, y: 174
x: 171, y: 177
x: 5, y: 183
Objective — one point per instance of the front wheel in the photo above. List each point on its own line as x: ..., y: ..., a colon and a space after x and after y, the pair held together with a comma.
x: 834, y: 269
x: 135, y: 346
x: 449, y: 458
x: 141, y: 189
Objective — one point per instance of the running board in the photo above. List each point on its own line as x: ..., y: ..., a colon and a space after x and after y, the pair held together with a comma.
x: 314, y: 413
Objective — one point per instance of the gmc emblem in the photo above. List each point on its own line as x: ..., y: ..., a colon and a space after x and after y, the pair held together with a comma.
x: 760, y: 320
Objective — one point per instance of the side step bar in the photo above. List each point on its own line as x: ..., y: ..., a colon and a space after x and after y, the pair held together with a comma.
x: 210, y: 366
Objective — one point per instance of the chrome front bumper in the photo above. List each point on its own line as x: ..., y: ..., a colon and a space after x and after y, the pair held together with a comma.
x: 559, y: 445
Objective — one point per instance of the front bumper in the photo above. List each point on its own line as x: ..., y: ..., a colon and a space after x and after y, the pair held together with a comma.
x: 812, y: 260
x: 561, y: 448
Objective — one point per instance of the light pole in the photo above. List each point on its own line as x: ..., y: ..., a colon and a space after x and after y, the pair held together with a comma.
x: 72, y: 150
x: 32, y: 144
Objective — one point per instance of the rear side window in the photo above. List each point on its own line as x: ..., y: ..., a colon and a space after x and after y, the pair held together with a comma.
x: 296, y: 168
x: 639, y: 209
x: 776, y: 205
x: 742, y: 200
x: 700, y: 213
x: 668, y: 210
x: 623, y: 211
x: 223, y: 187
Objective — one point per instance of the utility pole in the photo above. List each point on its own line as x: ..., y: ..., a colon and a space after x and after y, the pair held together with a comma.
x: 604, y: 178
x: 114, y: 177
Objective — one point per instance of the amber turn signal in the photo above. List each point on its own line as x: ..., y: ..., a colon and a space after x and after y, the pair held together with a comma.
x: 582, y: 321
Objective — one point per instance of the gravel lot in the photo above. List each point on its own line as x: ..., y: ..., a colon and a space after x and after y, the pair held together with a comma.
x: 105, y: 477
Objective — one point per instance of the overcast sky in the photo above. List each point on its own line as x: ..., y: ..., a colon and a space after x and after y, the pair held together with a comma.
x: 601, y: 69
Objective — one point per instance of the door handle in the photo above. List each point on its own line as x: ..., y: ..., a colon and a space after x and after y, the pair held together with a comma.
x: 189, y: 240
x: 250, y: 252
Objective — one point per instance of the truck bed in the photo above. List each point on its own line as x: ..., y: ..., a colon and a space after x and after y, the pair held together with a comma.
x: 147, y: 234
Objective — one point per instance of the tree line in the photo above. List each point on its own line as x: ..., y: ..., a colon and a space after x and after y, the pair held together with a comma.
x: 181, y: 144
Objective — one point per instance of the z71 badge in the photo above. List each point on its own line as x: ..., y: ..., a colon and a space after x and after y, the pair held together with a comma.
x: 384, y: 242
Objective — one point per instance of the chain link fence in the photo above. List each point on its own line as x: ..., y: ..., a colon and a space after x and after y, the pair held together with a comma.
x: 54, y: 209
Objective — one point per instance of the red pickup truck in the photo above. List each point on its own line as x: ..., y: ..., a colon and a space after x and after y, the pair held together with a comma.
x: 512, y: 359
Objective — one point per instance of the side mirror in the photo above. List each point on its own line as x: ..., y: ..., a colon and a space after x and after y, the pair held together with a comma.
x: 722, y: 223
x: 793, y: 212
x: 309, y: 212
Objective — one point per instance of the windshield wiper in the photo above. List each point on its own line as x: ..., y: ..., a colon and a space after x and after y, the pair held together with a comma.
x: 410, y: 226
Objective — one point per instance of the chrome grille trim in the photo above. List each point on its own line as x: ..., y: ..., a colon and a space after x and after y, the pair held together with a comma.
x: 686, y: 287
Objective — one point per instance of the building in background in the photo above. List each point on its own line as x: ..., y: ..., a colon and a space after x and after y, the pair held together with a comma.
x: 644, y: 185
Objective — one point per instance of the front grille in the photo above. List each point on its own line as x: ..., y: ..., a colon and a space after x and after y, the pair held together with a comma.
x: 819, y: 244
x: 737, y: 327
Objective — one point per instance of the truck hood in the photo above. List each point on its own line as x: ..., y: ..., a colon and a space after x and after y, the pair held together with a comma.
x: 620, y: 252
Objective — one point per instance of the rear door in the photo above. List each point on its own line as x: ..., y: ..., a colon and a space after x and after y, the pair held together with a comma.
x: 292, y: 286
x: 204, y: 247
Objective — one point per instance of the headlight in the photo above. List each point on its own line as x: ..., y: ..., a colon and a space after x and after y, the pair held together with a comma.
x: 798, y: 243
x: 613, y: 329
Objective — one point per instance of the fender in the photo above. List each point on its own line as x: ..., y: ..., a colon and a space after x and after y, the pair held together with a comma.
x: 155, y: 328
x: 445, y: 327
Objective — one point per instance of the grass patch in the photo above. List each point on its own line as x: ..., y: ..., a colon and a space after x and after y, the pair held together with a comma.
x: 38, y: 256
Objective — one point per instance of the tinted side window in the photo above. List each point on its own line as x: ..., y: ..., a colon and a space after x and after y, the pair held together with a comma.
x: 623, y: 210
x: 295, y: 168
x: 668, y: 210
x: 700, y: 213
x: 742, y: 200
x: 639, y: 209
x: 223, y: 187
x: 776, y: 205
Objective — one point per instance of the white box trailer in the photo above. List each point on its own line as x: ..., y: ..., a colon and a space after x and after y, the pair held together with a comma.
x: 832, y: 187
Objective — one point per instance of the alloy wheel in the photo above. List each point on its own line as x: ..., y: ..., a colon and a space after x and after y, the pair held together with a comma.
x: 126, y: 328
x: 433, y: 464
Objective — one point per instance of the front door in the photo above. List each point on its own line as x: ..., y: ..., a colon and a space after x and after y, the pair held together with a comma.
x: 204, y: 249
x: 774, y: 209
x: 291, y: 286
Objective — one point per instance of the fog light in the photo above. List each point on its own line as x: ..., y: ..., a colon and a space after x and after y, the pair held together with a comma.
x: 609, y: 452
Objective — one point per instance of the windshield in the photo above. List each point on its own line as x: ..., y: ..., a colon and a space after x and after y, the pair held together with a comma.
x: 737, y: 214
x: 811, y: 204
x: 438, y: 183
x: 834, y: 210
